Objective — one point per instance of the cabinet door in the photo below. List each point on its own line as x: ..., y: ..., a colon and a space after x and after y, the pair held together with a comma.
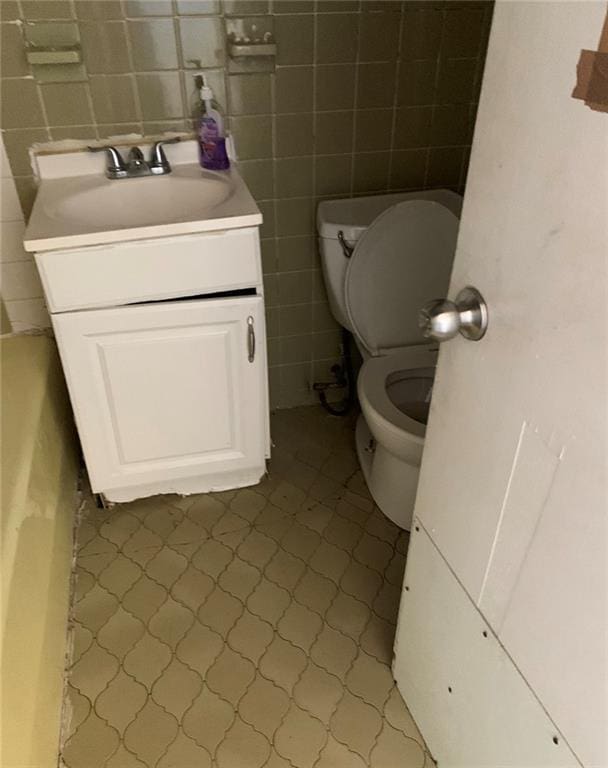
x: 167, y: 391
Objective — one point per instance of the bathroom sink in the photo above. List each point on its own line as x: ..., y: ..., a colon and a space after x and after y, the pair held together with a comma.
x: 89, y: 209
x: 165, y: 199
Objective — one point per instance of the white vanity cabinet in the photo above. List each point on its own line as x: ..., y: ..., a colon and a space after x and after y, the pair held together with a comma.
x: 163, y: 347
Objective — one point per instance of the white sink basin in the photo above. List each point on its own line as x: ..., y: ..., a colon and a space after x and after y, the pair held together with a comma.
x: 90, y: 209
x: 140, y: 202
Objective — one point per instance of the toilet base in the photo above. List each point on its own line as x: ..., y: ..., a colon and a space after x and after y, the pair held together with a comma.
x: 392, y: 482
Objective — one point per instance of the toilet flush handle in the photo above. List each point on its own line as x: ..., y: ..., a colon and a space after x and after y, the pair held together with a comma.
x: 347, y: 249
x: 443, y: 319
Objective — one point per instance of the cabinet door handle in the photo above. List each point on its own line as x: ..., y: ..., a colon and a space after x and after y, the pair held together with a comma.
x: 250, y: 339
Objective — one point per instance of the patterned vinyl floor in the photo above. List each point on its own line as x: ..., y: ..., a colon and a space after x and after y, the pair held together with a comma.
x: 244, y: 629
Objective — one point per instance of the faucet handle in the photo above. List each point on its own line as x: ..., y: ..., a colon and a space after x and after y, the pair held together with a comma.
x: 135, y: 160
x: 115, y: 169
x: 158, y: 160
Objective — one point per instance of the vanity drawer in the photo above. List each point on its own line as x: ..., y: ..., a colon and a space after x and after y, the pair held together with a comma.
x: 126, y: 273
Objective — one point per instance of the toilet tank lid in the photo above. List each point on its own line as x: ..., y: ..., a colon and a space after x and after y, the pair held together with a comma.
x: 401, y: 262
x: 354, y: 215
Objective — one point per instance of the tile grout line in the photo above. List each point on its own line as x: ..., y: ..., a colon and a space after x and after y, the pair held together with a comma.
x: 389, y: 183
x: 292, y: 516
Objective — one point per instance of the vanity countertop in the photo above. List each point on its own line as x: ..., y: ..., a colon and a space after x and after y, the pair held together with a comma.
x: 84, y: 208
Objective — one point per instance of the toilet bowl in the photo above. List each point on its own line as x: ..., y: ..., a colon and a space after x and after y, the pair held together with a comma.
x: 401, y: 258
x: 394, y: 392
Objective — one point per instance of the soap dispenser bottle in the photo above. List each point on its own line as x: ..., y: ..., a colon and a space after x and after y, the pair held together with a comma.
x: 210, y: 133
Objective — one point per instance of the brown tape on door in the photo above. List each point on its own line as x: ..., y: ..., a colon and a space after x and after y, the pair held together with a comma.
x: 592, y: 74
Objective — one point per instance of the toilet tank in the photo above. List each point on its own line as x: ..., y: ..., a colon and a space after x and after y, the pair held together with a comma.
x: 352, y: 217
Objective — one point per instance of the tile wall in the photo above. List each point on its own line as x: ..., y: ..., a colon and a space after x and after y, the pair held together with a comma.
x: 368, y: 96
x: 22, y: 305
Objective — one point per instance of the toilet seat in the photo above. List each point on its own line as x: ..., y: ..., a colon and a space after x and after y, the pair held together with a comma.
x: 373, y: 394
x: 402, y: 261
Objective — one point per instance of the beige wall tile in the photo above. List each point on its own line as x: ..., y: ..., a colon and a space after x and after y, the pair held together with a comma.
x: 21, y: 106
x: 67, y: 103
x: 19, y: 280
x: 333, y: 132
x: 293, y: 89
x: 408, y: 169
x: 259, y: 177
x: 149, y: 8
x: 269, y: 256
x: 202, y: 42
x: 337, y: 6
x: 12, y: 51
x: 378, y: 37
x: 87, y: 132
x: 373, y: 130
x: 160, y: 96
x: 335, y: 87
x: 295, y: 321
x: 104, y: 47
x: 444, y: 168
x: 269, y: 225
x: 294, y: 287
x: 245, y: 7
x: 27, y: 315
x: 295, y: 253
x: 26, y: 191
x: 413, y: 127
x: 337, y: 38
x: 462, y: 32
x: 294, y: 135
x: 113, y: 98
x: 9, y: 10
x: 421, y: 34
x: 417, y: 82
x: 107, y: 130
x: 294, y: 217
x: 187, y: 7
x: 17, y: 144
x: 294, y: 177
x: 295, y: 36
x: 376, y: 86
x: 392, y: 6
x: 371, y: 172
x: 326, y: 344
x: 252, y: 136
x: 322, y: 318
x: 249, y: 94
x: 98, y: 9
x: 153, y: 44
x: 451, y: 125
x: 333, y: 174
x: 11, y: 241
x: 457, y: 81
x: 46, y: 9
x: 294, y: 6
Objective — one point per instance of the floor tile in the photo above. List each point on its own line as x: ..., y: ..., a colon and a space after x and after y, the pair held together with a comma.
x: 264, y: 706
x: 300, y: 737
x: 250, y: 628
x: 356, y: 724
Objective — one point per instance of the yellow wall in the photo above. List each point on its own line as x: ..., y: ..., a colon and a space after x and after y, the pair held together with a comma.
x: 39, y: 464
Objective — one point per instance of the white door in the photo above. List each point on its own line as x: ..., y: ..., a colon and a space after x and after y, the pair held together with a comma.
x: 167, y: 391
x: 512, y: 503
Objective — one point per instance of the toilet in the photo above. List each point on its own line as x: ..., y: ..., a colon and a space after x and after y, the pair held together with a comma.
x: 383, y: 258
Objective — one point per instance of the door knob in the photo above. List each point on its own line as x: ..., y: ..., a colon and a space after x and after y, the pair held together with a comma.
x: 443, y: 319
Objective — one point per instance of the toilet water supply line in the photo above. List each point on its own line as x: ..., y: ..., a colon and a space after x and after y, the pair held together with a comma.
x: 344, y: 376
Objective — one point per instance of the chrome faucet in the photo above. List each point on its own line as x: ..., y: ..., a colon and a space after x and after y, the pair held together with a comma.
x: 136, y: 164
